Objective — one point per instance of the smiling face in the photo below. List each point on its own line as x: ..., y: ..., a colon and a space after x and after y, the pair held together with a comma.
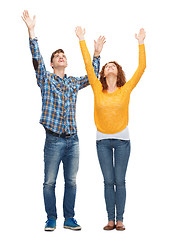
x: 58, y: 59
x: 110, y: 69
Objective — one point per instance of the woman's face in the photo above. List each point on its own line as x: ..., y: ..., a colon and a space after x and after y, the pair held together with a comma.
x: 110, y: 68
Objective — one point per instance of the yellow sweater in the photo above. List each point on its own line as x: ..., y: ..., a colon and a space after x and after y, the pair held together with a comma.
x: 111, y: 109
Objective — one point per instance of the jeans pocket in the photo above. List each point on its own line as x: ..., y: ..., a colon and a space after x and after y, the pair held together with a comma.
x: 50, y: 138
x: 75, y: 137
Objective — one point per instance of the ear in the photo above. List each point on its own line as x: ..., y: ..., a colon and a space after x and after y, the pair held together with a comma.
x: 51, y: 64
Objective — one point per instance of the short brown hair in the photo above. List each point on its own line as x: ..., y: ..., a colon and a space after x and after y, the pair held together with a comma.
x: 120, y: 78
x: 57, y: 51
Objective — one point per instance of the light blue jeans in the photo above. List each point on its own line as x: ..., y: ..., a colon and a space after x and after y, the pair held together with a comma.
x: 57, y: 150
x: 113, y: 155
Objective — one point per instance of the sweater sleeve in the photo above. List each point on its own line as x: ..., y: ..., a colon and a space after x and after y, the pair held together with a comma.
x: 88, y: 65
x: 131, y: 84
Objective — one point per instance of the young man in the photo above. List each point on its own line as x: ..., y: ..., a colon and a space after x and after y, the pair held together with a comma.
x: 59, y: 94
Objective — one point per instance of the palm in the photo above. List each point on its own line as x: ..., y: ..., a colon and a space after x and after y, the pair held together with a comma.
x: 29, y: 22
x: 80, y: 32
x: 98, y: 45
x: 141, y: 36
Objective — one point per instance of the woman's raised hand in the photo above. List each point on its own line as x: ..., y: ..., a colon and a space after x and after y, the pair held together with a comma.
x: 141, y: 36
x: 80, y: 33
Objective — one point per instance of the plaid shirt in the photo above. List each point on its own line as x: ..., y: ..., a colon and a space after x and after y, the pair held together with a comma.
x: 58, y: 95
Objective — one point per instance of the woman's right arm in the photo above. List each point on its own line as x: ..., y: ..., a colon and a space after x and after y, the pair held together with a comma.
x: 88, y: 63
x: 86, y: 56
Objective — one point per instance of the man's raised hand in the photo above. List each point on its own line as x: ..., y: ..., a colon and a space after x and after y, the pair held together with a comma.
x: 30, y: 23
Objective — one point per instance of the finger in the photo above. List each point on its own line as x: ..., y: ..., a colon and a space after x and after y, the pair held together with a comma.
x: 23, y: 18
x: 94, y: 43
x: 27, y: 13
x: 76, y: 29
x: 24, y: 13
x: 103, y: 38
x: 136, y: 36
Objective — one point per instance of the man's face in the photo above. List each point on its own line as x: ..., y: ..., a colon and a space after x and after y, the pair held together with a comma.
x: 59, y: 61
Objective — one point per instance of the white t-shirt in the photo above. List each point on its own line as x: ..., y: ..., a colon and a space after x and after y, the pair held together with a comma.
x: 123, y: 135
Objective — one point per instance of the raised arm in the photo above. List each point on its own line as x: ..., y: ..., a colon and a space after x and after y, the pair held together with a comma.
x: 30, y: 23
x: 38, y: 62
x: 142, y: 61
x: 86, y: 55
x: 98, y: 45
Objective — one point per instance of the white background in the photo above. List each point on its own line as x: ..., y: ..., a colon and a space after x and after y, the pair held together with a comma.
x: 148, y: 207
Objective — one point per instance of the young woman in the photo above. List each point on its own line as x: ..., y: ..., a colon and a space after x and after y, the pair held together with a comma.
x: 111, y: 100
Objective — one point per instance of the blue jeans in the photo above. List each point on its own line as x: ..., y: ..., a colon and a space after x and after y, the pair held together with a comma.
x: 57, y: 149
x: 113, y: 155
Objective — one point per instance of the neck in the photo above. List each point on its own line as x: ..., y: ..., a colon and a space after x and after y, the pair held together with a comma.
x: 112, y: 83
x: 59, y: 72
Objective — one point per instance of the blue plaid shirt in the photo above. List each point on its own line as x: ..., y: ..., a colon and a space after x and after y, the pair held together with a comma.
x: 58, y: 95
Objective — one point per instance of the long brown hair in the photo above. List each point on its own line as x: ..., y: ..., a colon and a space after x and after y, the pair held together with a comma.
x: 120, y: 78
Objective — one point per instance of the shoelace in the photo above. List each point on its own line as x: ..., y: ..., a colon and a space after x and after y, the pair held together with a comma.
x: 74, y: 220
x: 49, y: 220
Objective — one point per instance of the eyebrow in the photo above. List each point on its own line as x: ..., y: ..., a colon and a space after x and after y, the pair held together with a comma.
x: 113, y: 64
x: 57, y: 54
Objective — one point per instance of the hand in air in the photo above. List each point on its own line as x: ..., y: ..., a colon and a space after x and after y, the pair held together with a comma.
x: 30, y: 23
x: 141, y: 36
x: 80, y: 33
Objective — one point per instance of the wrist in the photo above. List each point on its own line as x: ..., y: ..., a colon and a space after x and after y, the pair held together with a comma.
x: 31, y: 33
x: 96, y: 54
x: 81, y: 38
x: 141, y: 42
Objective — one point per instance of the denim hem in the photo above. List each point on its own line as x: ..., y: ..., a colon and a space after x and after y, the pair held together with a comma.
x: 110, y: 219
x: 52, y: 218
x: 121, y: 220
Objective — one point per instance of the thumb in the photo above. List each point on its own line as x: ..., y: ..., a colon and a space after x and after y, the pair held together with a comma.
x: 95, y: 43
x: 34, y: 18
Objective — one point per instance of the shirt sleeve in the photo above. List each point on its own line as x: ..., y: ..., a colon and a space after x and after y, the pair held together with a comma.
x: 83, y: 81
x: 38, y: 62
x: 131, y: 84
x: 90, y: 68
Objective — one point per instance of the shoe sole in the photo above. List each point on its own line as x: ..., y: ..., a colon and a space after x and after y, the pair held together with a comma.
x: 120, y: 229
x: 72, y: 228
x: 48, y: 229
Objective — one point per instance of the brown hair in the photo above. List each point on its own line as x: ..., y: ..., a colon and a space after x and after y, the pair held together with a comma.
x: 120, y: 78
x: 57, y: 51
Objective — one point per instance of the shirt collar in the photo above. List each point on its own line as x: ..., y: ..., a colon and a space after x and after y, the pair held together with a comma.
x: 56, y: 77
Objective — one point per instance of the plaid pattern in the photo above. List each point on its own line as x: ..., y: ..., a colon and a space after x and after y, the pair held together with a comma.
x: 58, y: 95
